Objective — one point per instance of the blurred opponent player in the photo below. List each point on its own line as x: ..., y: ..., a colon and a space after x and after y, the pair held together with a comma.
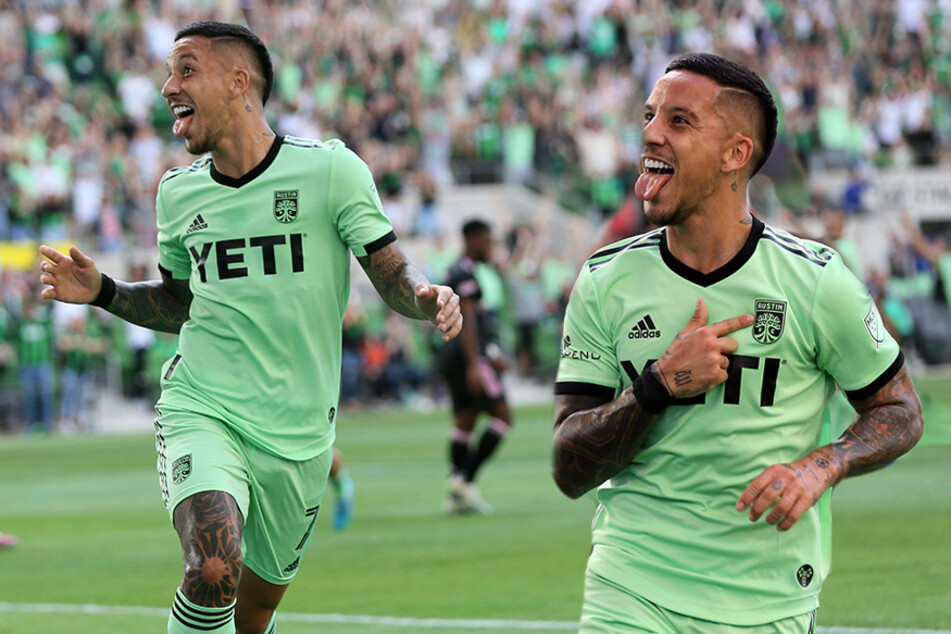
x: 343, y: 488
x: 254, y: 255
x: 682, y: 428
x: 470, y: 365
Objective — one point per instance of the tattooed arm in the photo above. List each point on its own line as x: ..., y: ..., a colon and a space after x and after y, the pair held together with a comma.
x: 160, y: 305
x: 408, y: 292
x: 595, y: 440
x: 889, y: 424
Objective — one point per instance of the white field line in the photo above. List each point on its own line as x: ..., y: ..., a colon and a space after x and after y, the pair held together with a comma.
x: 385, y: 621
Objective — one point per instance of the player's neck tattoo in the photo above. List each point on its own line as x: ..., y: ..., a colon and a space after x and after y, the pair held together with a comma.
x: 733, y: 185
x: 247, y: 107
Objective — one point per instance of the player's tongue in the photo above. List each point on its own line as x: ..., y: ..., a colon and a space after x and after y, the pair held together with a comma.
x: 649, y: 183
x: 180, y: 127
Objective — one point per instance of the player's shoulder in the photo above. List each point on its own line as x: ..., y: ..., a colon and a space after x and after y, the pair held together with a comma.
x: 330, y: 152
x: 317, y: 145
x: 199, y: 166
x: 797, y: 250
x: 644, y: 243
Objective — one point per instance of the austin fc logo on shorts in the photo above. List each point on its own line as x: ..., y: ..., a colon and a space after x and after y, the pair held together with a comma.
x: 285, y: 205
x: 770, y: 320
x: 182, y: 468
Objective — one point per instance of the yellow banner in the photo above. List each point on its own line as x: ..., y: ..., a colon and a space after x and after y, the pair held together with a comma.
x: 25, y: 255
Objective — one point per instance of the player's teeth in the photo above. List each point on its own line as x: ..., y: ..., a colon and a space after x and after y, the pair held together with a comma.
x: 655, y: 164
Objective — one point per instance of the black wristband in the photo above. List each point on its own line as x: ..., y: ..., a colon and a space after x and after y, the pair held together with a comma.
x: 650, y: 393
x: 106, y: 293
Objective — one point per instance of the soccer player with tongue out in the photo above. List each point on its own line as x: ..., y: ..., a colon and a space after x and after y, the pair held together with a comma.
x: 697, y: 361
x: 254, y: 244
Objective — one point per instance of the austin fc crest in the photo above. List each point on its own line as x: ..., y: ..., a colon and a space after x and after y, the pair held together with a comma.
x: 182, y: 468
x: 285, y: 205
x: 770, y: 320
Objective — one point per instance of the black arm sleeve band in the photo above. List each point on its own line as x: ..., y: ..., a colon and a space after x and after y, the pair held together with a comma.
x: 106, y: 293
x: 650, y: 393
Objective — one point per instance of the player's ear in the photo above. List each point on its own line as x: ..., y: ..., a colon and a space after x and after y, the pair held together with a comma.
x: 737, y: 153
x: 240, y: 82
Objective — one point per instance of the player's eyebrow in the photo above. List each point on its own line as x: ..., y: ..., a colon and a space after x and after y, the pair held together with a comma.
x: 181, y: 57
x: 674, y: 110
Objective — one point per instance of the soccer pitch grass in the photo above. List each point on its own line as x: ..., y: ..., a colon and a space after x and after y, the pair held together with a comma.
x: 93, y: 533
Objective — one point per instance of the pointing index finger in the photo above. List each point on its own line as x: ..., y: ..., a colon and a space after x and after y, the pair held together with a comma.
x: 732, y: 324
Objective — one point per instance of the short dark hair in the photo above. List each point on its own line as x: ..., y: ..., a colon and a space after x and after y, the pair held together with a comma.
x: 732, y: 75
x: 242, y: 36
x: 474, y: 228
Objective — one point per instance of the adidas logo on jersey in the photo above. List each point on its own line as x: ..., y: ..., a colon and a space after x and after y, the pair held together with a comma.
x: 197, y: 225
x: 644, y: 329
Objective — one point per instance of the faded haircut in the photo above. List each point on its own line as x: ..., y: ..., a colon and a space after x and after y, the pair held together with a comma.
x: 744, y: 91
x: 237, y: 35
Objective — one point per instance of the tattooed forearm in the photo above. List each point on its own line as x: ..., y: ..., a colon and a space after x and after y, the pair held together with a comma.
x: 395, y: 279
x: 209, y: 525
x: 592, y: 445
x: 889, y: 425
x: 149, y: 304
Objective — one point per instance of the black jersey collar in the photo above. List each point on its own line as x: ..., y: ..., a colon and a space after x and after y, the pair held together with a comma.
x: 258, y: 169
x: 725, y: 271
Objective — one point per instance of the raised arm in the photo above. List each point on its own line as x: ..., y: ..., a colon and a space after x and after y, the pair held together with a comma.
x: 409, y: 293
x: 889, y: 424
x: 596, y: 439
x: 159, y: 304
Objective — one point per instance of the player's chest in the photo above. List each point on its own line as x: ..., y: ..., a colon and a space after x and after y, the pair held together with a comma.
x: 644, y: 325
x: 270, y: 231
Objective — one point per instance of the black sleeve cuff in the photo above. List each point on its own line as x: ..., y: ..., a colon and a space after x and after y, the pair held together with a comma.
x: 575, y: 388
x: 879, y: 383
x: 379, y: 243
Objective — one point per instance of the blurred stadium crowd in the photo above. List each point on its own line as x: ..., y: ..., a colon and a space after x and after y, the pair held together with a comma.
x: 544, y: 93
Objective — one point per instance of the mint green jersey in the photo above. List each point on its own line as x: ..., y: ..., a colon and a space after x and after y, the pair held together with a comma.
x: 267, y: 258
x: 667, y: 528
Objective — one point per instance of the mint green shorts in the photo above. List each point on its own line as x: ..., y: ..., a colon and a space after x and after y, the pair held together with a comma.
x: 279, y: 499
x: 609, y: 610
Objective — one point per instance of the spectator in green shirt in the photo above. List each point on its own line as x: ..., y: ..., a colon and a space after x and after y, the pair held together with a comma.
x: 34, y: 342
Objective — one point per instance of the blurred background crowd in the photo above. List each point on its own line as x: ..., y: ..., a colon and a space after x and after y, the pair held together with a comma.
x: 542, y: 94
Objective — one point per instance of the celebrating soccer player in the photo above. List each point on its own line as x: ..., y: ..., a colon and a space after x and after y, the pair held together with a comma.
x: 697, y: 360
x: 254, y: 255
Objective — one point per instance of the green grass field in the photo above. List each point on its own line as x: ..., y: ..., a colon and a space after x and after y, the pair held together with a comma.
x: 94, y: 533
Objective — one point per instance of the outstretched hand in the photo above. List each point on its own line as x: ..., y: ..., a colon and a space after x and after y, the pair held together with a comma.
x: 440, y: 304
x: 71, y: 278
x: 697, y: 360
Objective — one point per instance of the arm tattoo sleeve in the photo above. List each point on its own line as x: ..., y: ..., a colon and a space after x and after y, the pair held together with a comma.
x: 395, y: 279
x: 158, y: 305
x: 592, y: 445
x: 889, y: 424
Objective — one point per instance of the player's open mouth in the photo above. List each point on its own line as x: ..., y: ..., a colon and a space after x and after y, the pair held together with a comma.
x: 183, y: 116
x: 655, y: 175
